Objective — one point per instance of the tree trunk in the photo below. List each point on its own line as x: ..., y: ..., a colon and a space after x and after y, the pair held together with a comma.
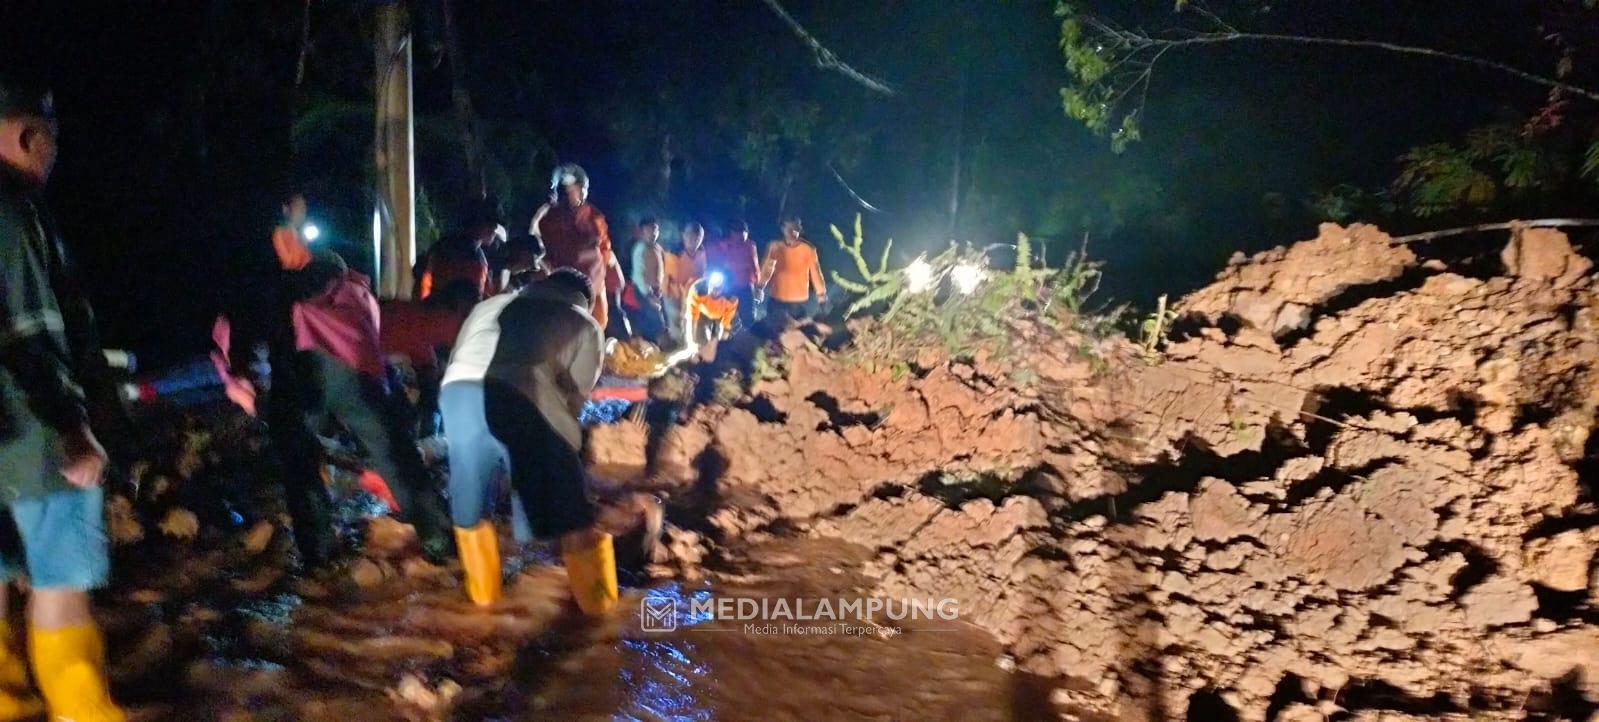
x: 392, y: 154
x: 465, y: 117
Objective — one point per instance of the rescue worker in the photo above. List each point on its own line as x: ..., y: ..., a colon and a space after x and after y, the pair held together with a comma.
x: 288, y: 238
x: 682, y: 269
x: 734, y: 256
x: 413, y: 331
x: 792, y: 271
x: 524, y: 263
x: 646, y: 280
x: 337, y: 373
x: 461, y: 256
x: 522, y: 369
x: 575, y: 235
x: 51, y: 464
x: 712, y: 308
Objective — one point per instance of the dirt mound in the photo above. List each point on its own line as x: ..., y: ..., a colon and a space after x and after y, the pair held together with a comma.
x: 1354, y: 481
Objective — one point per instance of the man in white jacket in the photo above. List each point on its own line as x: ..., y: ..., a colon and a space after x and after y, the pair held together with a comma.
x: 522, y: 368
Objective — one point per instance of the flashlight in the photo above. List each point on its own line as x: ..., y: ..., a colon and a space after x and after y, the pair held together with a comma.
x: 311, y: 232
x: 715, y: 280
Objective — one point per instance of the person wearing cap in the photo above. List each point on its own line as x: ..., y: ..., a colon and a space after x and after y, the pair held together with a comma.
x: 522, y: 368
x: 51, y: 464
x: 734, y: 257
x: 791, y: 272
x: 576, y: 235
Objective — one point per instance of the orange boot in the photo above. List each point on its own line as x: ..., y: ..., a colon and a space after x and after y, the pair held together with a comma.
x: 17, y: 701
x: 70, y: 666
x: 592, y: 573
x: 480, y: 562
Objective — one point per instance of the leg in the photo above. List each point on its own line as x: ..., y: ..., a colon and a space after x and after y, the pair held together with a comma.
x: 427, y: 402
x: 474, y: 457
x: 300, y: 453
x: 64, y: 540
x: 547, y: 476
x: 17, y: 700
x: 377, y: 422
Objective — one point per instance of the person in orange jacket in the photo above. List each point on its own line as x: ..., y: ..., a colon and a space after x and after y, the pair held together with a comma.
x: 682, y: 269
x: 288, y: 238
x: 734, y: 256
x: 791, y: 272
x: 712, y: 308
x: 576, y: 236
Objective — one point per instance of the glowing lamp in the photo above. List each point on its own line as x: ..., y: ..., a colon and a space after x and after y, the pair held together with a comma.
x: 715, y: 280
x: 311, y: 232
x: 967, y: 277
x: 919, y: 275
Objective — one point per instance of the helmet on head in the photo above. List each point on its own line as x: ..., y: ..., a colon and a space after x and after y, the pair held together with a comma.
x: 569, y: 174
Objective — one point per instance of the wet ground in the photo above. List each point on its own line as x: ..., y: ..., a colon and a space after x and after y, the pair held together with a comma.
x: 228, y: 635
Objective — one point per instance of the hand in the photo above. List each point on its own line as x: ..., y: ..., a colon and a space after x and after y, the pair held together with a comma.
x: 86, y: 459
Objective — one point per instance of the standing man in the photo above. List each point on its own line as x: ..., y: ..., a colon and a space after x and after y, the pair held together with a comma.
x: 647, y: 280
x: 522, y: 369
x: 50, y: 462
x: 682, y: 270
x: 791, y: 272
x: 463, y: 256
x: 575, y: 235
x: 734, y: 256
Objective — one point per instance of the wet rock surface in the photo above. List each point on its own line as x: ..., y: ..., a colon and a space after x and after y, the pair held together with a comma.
x: 1357, y: 486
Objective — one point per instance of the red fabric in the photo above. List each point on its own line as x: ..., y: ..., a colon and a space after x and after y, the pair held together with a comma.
x: 414, y: 330
x: 373, y: 484
x: 342, y: 321
x: 239, y: 391
x: 637, y: 394
x: 444, y: 269
x: 579, y: 238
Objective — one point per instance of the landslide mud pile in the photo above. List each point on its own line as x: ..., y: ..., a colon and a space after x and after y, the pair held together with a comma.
x: 1352, y: 488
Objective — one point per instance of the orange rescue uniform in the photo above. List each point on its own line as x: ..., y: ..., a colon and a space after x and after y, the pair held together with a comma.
x: 793, y: 271
x: 580, y: 238
x: 290, y: 247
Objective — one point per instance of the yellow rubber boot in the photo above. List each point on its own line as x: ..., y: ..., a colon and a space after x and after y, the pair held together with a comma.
x: 17, y: 699
x: 70, y: 666
x: 592, y: 573
x: 480, y: 562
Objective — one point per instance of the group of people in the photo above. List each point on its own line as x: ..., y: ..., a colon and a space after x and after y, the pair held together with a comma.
x: 524, y: 320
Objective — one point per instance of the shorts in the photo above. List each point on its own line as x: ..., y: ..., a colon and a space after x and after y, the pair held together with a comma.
x: 57, y: 541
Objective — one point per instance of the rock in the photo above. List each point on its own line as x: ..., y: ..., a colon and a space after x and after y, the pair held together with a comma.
x: 1220, y: 512
x: 1561, y: 562
x: 1544, y: 254
x: 1498, y: 601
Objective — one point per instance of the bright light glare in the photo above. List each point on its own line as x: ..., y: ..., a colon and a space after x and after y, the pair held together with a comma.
x: 311, y: 232
x: 716, y: 279
x: 919, y: 275
x: 967, y: 277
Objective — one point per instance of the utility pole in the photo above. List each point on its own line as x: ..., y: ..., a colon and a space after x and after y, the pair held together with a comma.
x: 392, y: 153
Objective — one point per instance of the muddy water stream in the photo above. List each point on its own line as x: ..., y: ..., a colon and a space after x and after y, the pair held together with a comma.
x: 713, y: 669
x: 409, y: 648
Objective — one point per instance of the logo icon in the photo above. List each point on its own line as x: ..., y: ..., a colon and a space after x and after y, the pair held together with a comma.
x: 658, y: 614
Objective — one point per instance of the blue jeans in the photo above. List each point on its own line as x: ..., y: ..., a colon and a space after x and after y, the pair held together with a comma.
x: 476, y: 458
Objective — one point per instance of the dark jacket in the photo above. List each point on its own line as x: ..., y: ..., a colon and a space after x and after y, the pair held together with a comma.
x: 52, y: 369
x: 551, y: 350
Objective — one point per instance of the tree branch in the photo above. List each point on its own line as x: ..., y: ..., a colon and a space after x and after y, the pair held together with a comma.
x: 1146, y: 41
x: 825, y: 58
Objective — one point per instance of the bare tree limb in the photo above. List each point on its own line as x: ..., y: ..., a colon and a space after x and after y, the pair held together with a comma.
x: 825, y: 58
x: 1508, y: 225
x: 1139, y: 41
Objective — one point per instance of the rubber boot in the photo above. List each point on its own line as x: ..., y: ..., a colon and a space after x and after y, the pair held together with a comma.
x: 17, y: 699
x: 592, y: 573
x: 480, y: 562
x: 70, y: 666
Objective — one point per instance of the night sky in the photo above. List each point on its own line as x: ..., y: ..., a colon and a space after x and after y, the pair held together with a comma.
x: 179, y: 127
